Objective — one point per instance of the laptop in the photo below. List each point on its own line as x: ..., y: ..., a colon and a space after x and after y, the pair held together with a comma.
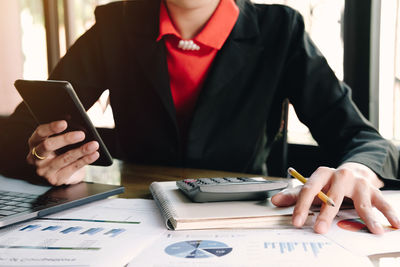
x: 21, y: 201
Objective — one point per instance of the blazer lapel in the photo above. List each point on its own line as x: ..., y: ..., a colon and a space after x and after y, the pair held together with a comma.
x: 236, y: 51
x: 151, y: 56
x: 142, y: 31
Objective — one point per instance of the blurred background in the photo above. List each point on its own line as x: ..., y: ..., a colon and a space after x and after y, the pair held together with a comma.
x: 360, y: 39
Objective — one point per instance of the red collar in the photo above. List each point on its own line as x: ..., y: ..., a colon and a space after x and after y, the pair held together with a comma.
x: 214, y: 33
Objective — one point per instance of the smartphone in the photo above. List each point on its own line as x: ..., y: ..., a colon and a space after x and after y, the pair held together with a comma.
x: 50, y: 101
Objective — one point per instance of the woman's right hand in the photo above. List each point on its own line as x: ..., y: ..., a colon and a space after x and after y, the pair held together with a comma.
x: 66, y: 168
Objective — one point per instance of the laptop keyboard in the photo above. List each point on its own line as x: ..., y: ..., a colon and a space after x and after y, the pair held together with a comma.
x: 15, y: 202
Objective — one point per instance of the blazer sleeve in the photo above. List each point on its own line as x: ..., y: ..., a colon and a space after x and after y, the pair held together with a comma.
x: 83, y: 67
x: 324, y: 104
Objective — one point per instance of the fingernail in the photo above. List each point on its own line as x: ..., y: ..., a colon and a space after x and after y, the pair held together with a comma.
x: 92, y: 146
x: 78, y: 136
x: 378, y: 227
x: 298, y: 221
x: 95, y: 156
x: 277, y: 196
x: 61, y: 124
x: 321, y: 227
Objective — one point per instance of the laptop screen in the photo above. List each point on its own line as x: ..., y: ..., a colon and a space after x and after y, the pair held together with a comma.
x: 20, y: 200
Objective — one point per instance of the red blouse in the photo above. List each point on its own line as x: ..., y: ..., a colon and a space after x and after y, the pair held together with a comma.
x: 188, y: 68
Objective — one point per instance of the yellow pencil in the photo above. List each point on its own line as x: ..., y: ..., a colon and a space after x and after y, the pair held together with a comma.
x: 301, y: 178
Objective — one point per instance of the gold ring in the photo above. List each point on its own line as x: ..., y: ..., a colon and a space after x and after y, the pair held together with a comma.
x: 36, y: 155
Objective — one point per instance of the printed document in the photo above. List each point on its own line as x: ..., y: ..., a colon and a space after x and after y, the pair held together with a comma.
x: 104, y: 233
x: 284, y: 247
x: 351, y: 232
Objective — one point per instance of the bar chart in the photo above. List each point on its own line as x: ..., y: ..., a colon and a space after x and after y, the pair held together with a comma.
x: 304, y: 247
x: 83, y: 236
x: 113, y: 232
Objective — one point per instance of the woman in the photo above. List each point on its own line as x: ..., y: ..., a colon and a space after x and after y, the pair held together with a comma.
x: 200, y: 83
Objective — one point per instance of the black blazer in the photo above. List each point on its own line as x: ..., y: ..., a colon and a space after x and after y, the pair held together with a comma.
x: 268, y: 57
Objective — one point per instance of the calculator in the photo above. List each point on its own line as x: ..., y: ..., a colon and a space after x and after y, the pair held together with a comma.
x: 229, y: 188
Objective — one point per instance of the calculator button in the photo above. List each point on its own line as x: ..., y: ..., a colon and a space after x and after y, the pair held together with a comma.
x: 245, y: 179
x: 218, y: 180
x: 233, y: 179
x: 6, y: 212
x: 206, y: 181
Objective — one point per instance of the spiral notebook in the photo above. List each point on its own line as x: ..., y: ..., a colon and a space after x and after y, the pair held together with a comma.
x: 180, y: 213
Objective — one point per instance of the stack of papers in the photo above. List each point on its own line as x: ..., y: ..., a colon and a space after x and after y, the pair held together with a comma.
x: 114, y: 232
x: 105, y: 233
x: 283, y: 248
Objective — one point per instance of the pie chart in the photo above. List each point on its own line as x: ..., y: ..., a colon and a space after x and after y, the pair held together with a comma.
x: 354, y: 225
x: 198, y: 249
x: 358, y: 225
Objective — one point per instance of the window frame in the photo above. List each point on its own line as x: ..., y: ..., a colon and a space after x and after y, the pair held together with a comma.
x: 383, y: 64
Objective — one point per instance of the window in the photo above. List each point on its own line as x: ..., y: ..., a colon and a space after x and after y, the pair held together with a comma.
x: 385, y: 68
x: 78, y: 17
x: 33, y: 39
x: 320, y: 17
x: 397, y: 78
x: 23, y: 48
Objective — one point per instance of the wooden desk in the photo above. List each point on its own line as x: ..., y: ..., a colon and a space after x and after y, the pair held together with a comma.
x: 137, y: 178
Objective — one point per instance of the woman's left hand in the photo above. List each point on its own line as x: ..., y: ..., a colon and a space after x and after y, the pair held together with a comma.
x: 351, y: 180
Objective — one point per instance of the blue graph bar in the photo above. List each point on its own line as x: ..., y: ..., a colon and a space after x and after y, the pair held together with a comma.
x: 71, y: 229
x: 282, y: 247
x: 30, y: 227
x: 115, y: 232
x: 92, y: 231
x: 288, y: 247
x: 269, y: 244
x: 52, y: 228
x: 315, y: 248
x: 305, y: 247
